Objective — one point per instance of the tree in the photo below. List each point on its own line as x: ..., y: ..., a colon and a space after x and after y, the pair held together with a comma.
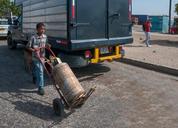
x: 7, y: 7
x: 176, y: 8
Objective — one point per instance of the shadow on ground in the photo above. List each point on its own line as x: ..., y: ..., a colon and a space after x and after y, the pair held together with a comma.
x: 90, y: 72
x: 166, y: 43
x: 134, y: 46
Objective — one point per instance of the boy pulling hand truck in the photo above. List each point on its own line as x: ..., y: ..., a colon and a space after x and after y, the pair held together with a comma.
x: 37, y: 45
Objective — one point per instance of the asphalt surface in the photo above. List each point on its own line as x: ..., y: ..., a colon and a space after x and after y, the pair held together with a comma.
x: 125, y: 97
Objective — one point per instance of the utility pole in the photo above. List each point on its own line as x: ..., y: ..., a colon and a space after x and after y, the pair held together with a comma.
x: 170, y: 9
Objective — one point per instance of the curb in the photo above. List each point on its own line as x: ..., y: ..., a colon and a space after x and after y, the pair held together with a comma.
x: 157, y: 68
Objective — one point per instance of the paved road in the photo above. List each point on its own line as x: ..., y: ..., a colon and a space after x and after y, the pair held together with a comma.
x: 126, y: 97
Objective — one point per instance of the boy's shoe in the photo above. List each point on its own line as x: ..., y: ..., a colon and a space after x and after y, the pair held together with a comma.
x: 41, y: 91
x: 34, y: 80
x: 149, y: 46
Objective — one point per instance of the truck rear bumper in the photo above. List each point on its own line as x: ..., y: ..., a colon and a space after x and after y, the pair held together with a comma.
x: 93, y: 43
x: 75, y: 61
x: 97, y: 58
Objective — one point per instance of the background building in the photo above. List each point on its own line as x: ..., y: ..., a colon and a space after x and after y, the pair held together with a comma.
x: 159, y: 24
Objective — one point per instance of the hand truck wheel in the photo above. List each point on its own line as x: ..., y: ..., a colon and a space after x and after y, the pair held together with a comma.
x: 58, y: 106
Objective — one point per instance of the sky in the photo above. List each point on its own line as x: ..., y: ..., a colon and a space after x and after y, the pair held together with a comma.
x: 153, y: 7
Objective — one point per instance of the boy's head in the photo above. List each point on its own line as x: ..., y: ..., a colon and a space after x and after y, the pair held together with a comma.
x: 40, y: 27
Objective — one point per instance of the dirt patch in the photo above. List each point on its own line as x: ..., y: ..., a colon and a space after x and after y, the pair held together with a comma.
x: 164, y: 50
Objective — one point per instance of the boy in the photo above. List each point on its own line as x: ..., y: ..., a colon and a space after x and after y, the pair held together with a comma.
x: 34, y: 45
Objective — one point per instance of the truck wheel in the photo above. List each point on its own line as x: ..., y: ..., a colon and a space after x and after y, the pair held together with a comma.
x: 58, y: 107
x: 11, y: 43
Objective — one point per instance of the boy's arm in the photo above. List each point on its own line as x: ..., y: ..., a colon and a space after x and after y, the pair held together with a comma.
x: 47, y: 44
x: 30, y: 49
x: 150, y: 24
x: 29, y: 46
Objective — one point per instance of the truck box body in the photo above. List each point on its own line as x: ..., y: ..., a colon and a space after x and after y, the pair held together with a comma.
x: 74, y: 25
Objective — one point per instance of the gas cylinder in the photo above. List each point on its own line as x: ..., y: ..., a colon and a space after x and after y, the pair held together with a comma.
x: 67, y: 82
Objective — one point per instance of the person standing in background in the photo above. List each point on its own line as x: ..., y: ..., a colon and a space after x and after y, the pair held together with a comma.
x: 147, y: 28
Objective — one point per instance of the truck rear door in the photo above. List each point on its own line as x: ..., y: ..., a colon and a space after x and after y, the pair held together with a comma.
x: 90, y: 19
x: 118, y: 23
x: 100, y: 19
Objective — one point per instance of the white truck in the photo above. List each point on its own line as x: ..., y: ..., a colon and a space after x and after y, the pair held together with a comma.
x: 3, y: 27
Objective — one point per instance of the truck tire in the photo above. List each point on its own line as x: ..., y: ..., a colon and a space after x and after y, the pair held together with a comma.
x: 11, y: 43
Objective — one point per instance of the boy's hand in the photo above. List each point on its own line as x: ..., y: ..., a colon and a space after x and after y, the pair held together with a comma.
x: 32, y: 49
x: 48, y: 45
x: 37, y: 52
x: 36, y: 49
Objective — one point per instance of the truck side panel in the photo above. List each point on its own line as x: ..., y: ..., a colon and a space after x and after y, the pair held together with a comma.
x: 19, y: 2
x: 52, y: 12
x: 74, y: 25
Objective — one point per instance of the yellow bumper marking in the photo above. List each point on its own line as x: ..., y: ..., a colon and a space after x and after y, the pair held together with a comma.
x: 98, y: 59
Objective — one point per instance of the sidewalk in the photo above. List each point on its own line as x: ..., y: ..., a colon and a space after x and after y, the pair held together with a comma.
x: 163, y: 53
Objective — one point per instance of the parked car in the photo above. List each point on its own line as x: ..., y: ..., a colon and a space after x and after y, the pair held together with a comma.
x: 173, y: 30
x: 3, y: 27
